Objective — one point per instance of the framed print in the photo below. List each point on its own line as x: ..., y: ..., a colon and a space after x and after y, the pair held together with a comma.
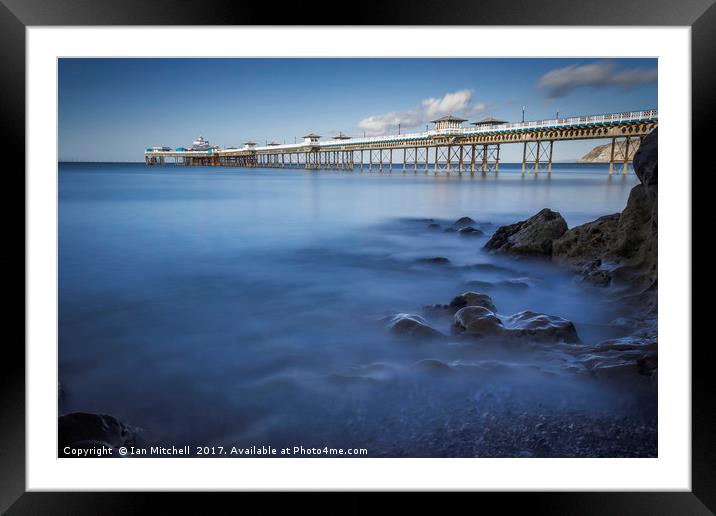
x: 419, y: 256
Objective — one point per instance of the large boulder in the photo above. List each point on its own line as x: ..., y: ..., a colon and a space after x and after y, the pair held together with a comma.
x: 412, y: 326
x: 533, y: 236
x: 627, y: 241
x: 588, y: 241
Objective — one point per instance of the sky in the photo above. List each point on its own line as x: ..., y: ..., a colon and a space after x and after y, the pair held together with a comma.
x: 112, y: 109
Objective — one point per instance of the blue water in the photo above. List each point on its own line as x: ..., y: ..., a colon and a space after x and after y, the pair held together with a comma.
x: 233, y: 306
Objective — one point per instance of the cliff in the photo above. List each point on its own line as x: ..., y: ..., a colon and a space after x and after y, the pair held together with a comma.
x: 602, y: 153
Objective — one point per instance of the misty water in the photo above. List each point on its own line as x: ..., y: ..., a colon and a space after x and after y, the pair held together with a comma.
x: 235, y: 307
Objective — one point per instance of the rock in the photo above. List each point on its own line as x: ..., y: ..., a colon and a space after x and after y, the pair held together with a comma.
x: 646, y: 159
x: 533, y: 236
x: 477, y: 321
x: 437, y: 260
x: 450, y: 230
x: 433, y: 226
x: 432, y: 365
x: 587, y: 242
x: 472, y: 299
x: 412, y: 326
x: 603, y: 153
x: 541, y: 327
x: 464, y: 221
x: 437, y: 307
x: 627, y: 240
x: 470, y: 231
x: 511, y: 284
x: 637, y: 353
x: 100, y: 429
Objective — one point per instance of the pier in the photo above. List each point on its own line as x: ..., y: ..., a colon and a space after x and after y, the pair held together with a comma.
x: 447, y: 148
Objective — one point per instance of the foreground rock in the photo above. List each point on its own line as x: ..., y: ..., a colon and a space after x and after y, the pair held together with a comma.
x: 481, y: 322
x: 533, y: 236
x: 412, y: 326
x: 80, y: 429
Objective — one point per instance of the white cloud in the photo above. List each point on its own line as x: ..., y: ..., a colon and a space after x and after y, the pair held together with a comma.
x: 561, y: 81
x: 450, y: 103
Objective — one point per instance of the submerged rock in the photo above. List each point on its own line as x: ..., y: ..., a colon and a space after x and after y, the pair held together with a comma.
x: 434, y: 226
x: 464, y: 221
x: 94, y: 430
x: 472, y: 299
x: 412, y: 326
x: 450, y: 230
x: 432, y: 365
x: 533, y: 236
x: 511, y: 284
x: 437, y: 260
x: 470, y: 231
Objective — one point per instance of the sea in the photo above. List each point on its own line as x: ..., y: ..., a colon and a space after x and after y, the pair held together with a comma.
x: 231, y: 307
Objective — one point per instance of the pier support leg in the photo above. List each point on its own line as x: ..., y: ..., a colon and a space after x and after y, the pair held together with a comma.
x: 549, y: 163
x: 539, y: 146
x: 449, y: 158
x: 472, y: 161
x: 483, y: 167
x: 427, y: 159
x: 524, y: 157
x: 497, y: 159
x: 390, y: 157
x: 436, y: 161
x: 459, y: 166
x: 625, y: 168
x: 611, y: 157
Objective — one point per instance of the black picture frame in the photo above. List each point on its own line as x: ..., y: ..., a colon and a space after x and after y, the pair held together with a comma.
x: 700, y: 15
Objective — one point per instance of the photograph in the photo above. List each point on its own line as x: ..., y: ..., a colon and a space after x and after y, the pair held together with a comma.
x: 357, y: 257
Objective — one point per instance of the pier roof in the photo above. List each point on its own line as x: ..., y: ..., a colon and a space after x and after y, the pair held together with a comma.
x: 490, y: 120
x: 312, y: 135
x: 341, y: 136
x: 449, y: 118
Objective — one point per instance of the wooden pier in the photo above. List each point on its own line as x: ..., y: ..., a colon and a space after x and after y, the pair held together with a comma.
x: 448, y: 148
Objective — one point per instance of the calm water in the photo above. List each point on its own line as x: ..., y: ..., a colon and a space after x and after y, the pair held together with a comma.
x: 242, y: 307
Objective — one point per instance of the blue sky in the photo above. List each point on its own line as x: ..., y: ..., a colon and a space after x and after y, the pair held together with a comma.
x: 112, y: 109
